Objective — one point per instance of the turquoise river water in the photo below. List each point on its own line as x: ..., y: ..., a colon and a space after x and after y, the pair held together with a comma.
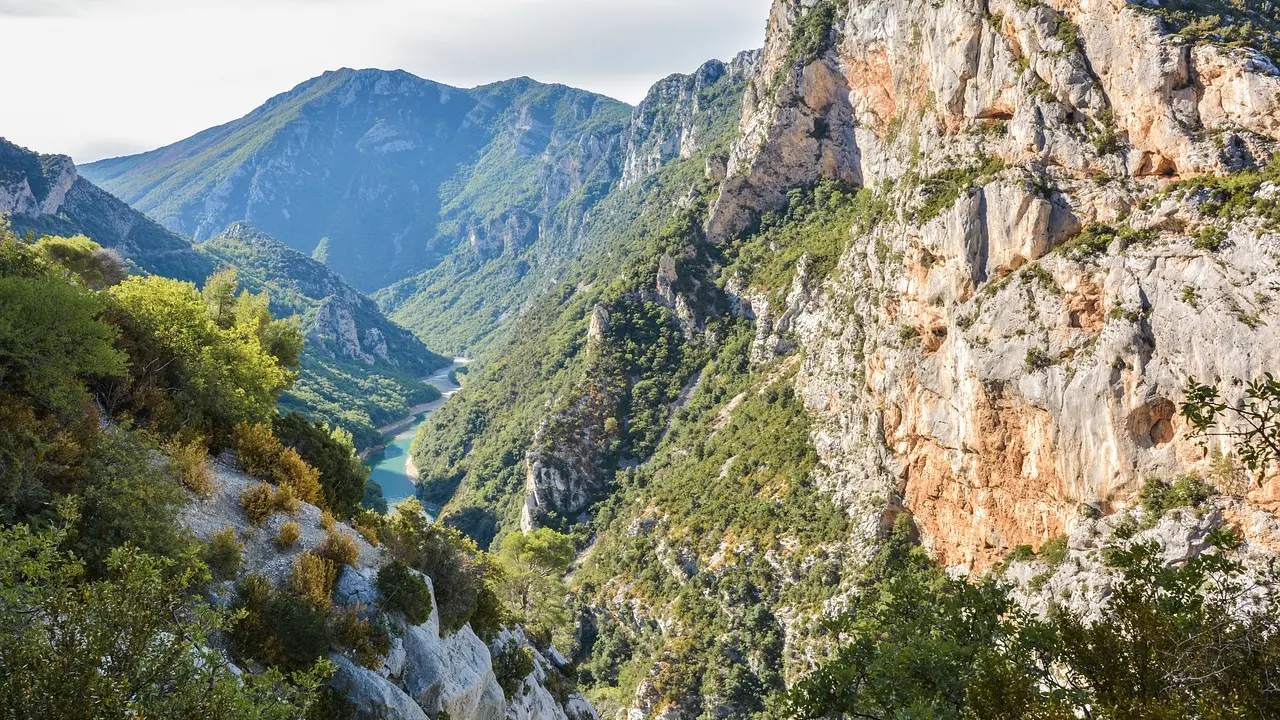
x: 389, y: 467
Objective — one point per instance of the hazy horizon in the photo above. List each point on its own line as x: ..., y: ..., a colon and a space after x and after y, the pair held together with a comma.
x: 127, y: 76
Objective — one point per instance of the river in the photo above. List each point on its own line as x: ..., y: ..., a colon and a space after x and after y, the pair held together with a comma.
x: 389, y: 467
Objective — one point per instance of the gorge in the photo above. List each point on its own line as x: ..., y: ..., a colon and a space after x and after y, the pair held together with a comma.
x: 917, y: 364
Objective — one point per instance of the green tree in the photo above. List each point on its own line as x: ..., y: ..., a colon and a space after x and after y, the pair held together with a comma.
x: 188, y: 371
x: 532, y: 564
x: 342, y: 474
x: 219, y: 295
x: 1252, y: 424
x: 130, y: 645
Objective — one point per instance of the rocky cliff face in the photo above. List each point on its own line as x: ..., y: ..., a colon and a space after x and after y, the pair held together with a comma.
x: 46, y: 195
x: 426, y: 673
x: 967, y: 362
x: 673, y: 120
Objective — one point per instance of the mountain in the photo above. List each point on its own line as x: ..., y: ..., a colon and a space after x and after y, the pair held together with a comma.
x: 485, y: 285
x: 46, y: 195
x: 947, y: 287
x: 359, y: 369
x: 383, y: 174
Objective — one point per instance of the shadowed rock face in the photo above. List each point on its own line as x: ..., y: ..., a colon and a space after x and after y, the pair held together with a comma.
x: 45, y: 194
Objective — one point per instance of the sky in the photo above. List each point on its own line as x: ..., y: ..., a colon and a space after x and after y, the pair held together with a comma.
x: 102, y: 78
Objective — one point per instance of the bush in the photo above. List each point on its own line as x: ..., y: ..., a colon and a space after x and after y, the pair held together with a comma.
x: 512, y: 664
x: 327, y: 521
x: 339, y: 548
x: 368, y: 532
x: 258, y: 502
x: 1054, y: 550
x: 401, y: 590
x: 189, y: 464
x: 440, y: 552
x: 1037, y: 360
x: 261, y: 455
x: 312, y: 579
x: 342, y: 475
x: 278, y: 629
x: 1159, y: 496
x: 288, y: 534
x: 369, y: 641
x: 223, y: 554
x: 285, y: 499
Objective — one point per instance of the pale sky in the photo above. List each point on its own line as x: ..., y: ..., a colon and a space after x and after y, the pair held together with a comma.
x: 99, y: 78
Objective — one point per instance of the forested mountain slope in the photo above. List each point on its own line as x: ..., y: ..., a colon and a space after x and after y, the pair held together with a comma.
x: 359, y: 370
x: 45, y: 194
x: 383, y: 174
x: 963, y: 263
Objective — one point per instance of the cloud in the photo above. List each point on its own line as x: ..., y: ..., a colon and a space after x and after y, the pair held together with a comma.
x: 144, y: 73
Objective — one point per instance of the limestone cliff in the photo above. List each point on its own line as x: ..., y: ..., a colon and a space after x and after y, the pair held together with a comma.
x: 426, y: 673
x: 994, y: 355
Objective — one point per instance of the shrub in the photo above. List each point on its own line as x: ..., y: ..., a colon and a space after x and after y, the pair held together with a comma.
x: 1054, y: 550
x: 312, y: 580
x: 342, y: 475
x: 339, y: 548
x: 512, y: 664
x: 285, y: 499
x: 367, y: 532
x: 223, y: 554
x: 258, y: 502
x: 369, y: 641
x: 261, y: 455
x: 288, y: 534
x: 1209, y: 239
x: 189, y: 464
x: 1037, y: 360
x: 445, y: 555
x: 1159, y: 496
x: 327, y: 520
x: 278, y: 629
x: 401, y: 590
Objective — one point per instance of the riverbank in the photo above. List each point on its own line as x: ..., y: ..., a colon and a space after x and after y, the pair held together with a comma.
x: 442, y: 382
x: 391, y: 465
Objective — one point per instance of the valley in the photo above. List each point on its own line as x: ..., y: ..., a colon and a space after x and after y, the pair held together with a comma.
x: 390, y: 466
x: 918, y: 363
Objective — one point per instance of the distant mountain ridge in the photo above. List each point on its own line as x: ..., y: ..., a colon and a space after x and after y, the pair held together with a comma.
x: 379, y: 174
x: 46, y: 195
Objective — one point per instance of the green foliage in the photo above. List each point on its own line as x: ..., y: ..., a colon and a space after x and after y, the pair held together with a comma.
x: 188, y: 463
x: 816, y: 223
x: 52, y: 340
x: 333, y: 454
x: 1232, y: 197
x: 224, y: 554
x: 1171, y: 643
x: 288, y: 535
x: 277, y: 628
x: 811, y: 36
x: 512, y: 664
x: 1209, y: 239
x: 1189, y: 491
x: 369, y: 640
x: 941, y: 190
x: 530, y: 588
x: 261, y: 454
x: 128, y: 645
x: 403, y: 591
x: 1037, y: 359
x: 188, y: 372
x: 90, y: 264
x: 1228, y: 23
x: 1054, y: 550
x: 457, y: 568
x: 1252, y: 425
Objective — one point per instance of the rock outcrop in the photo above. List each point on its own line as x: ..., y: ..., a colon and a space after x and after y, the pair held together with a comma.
x: 45, y: 194
x: 963, y: 366
x: 426, y: 672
